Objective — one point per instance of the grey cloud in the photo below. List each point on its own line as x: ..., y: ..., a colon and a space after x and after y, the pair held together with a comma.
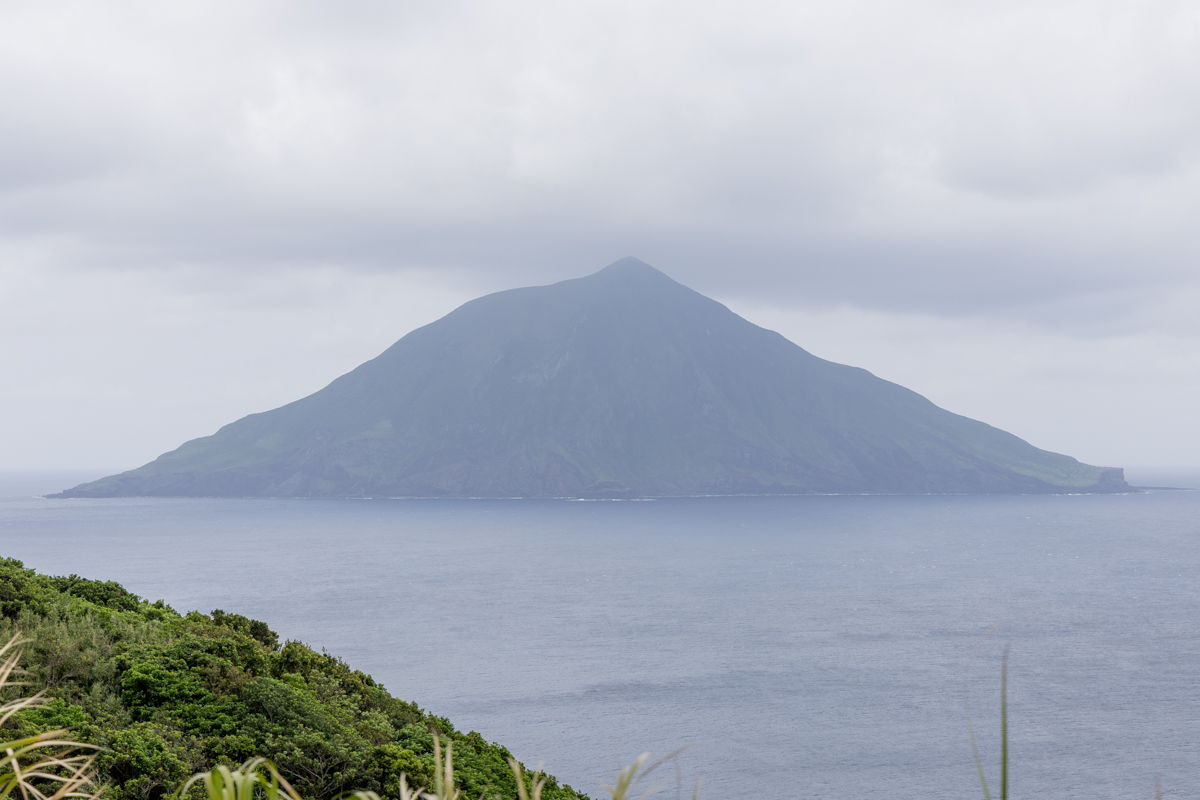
x: 919, y: 156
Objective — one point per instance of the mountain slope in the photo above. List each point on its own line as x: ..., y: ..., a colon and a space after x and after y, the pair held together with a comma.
x: 621, y: 383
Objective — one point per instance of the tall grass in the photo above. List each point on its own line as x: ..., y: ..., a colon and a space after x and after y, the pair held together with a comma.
x: 1003, y: 736
x: 257, y: 779
x: 1004, y: 740
x: 48, y: 766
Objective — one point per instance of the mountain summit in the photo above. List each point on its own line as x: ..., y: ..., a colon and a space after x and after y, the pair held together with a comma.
x: 623, y: 383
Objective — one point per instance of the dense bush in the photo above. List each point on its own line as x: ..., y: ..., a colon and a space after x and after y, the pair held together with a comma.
x: 168, y: 695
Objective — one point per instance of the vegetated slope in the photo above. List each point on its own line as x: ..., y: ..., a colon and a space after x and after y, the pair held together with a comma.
x: 621, y: 383
x: 168, y: 695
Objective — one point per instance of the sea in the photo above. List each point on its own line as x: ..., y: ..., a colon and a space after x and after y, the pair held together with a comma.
x: 794, y: 647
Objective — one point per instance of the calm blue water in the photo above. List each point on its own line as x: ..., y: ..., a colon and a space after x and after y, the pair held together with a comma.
x: 800, y: 647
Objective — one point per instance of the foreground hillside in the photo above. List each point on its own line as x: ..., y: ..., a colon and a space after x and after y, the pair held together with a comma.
x: 623, y: 383
x: 168, y: 695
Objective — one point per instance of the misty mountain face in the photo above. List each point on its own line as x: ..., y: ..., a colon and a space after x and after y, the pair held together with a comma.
x: 623, y: 383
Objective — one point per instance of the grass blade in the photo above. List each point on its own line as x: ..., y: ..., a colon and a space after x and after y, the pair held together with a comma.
x: 1004, y: 725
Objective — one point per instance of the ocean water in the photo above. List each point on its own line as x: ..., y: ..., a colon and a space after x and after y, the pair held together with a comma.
x: 799, y: 647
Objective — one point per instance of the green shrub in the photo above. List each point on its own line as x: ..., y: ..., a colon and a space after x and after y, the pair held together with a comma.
x: 168, y: 695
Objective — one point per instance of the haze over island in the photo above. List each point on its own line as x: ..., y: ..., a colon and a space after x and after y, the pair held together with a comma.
x: 623, y: 383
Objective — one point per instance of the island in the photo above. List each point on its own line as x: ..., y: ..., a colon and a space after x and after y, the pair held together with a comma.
x: 620, y: 384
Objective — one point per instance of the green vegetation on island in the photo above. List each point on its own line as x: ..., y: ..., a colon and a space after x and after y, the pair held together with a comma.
x: 169, y: 695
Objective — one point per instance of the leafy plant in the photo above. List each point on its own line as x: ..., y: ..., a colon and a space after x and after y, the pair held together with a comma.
x: 47, y: 765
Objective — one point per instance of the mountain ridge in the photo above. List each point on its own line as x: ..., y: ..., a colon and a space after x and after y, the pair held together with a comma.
x: 621, y: 383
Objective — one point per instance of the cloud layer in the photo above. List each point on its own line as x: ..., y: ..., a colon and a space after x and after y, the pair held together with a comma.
x: 1032, y: 166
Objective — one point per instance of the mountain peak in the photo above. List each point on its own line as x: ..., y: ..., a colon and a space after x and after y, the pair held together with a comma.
x: 631, y: 267
x: 630, y: 264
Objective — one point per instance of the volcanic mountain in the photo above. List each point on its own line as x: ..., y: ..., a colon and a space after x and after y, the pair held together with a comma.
x: 623, y: 383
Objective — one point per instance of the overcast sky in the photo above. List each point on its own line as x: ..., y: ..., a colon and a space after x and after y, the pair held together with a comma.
x: 213, y: 208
